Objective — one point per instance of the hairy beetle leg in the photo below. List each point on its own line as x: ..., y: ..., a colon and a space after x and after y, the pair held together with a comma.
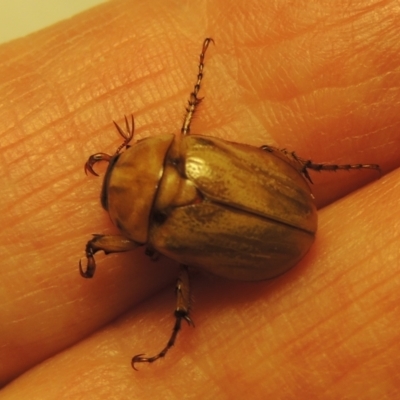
x: 193, y: 99
x: 182, y: 310
x: 303, y: 165
x: 94, y: 159
x: 128, y: 135
x: 108, y: 244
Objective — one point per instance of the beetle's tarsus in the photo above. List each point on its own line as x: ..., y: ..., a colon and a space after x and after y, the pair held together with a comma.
x: 182, y: 289
x: 127, y: 135
x: 177, y: 327
x: 140, y: 359
x: 91, y: 263
x: 304, y: 165
x: 90, y: 268
x: 93, y: 159
x: 188, y: 320
x: 307, y: 175
x: 136, y: 359
x: 336, y: 167
x: 309, y: 164
x: 194, y: 101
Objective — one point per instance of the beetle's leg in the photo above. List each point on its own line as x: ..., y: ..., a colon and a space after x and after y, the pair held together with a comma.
x: 308, y: 164
x: 304, y: 165
x: 128, y: 135
x: 93, y: 159
x: 181, y: 312
x: 193, y: 99
x: 107, y: 243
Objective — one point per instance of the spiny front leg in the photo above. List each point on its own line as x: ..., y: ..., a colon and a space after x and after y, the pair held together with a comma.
x: 303, y: 165
x: 108, y: 244
x: 181, y: 312
x: 193, y: 99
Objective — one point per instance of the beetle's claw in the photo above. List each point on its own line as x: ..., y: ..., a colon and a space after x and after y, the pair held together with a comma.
x: 120, y: 130
x: 130, y: 129
x: 128, y: 135
x: 93, y: 159
x: 307, y: 175
x: 140, y: 359
x: 90, y: 267
x: 188, y: 320
x: 89, y: 167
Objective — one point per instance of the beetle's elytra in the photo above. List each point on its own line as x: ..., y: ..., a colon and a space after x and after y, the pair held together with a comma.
x: 235, y: 210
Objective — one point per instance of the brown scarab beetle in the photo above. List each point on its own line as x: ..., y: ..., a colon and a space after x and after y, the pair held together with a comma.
x: 237, y: 211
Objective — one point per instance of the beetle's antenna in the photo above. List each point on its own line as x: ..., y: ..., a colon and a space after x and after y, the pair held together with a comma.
x: 193, y: 99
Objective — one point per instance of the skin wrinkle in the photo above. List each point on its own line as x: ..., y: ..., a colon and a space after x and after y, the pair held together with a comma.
x: 330, y: 316
x: 369, y: 357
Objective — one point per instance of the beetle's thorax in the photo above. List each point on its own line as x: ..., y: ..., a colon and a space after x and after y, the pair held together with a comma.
x: 131, y: 184
x: 175, y: 190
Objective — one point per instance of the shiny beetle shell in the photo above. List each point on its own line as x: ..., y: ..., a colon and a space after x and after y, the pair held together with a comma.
x: 237, y: 211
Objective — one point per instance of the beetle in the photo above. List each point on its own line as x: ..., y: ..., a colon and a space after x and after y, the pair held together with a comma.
x: 235, y: 210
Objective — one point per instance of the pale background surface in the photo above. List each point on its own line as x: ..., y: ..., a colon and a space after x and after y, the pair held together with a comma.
x: 21, y: 17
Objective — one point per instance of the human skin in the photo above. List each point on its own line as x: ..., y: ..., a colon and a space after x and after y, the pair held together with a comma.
x: 321, y: 78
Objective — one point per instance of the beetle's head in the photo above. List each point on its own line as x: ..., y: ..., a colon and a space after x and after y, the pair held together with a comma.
x: 95, y: 158
x: 131, y: 183
x: 104, y: 190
